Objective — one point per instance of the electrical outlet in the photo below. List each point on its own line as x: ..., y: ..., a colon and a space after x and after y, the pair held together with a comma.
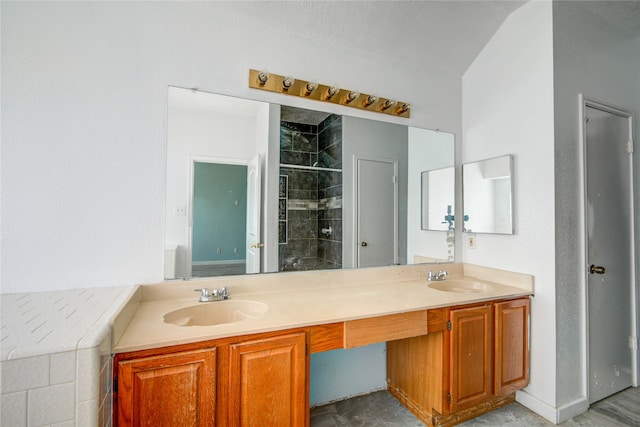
x: 471, y: 241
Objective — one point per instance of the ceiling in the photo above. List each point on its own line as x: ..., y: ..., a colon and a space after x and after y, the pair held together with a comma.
x: 446, y: 34
x: 625, y: 14
x: 437, y: 34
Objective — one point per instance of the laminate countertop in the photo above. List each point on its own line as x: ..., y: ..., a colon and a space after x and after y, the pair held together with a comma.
x: 300, y: 299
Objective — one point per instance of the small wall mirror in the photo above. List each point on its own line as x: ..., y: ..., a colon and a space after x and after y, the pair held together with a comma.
x: 438, y: 193
x: 487, y: 196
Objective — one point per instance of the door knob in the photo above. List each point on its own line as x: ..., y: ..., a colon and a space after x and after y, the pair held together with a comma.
x: 257, y: 245
x: 596, y: 269
x: 363, y: 244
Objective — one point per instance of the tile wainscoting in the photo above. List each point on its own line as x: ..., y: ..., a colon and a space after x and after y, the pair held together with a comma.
x: 56, y: 357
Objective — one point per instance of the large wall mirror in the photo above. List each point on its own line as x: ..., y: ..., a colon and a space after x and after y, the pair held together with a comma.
x: 256, y: 187
x: 488, y: 195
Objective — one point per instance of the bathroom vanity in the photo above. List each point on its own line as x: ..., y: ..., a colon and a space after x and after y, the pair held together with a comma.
x: 456, y: 348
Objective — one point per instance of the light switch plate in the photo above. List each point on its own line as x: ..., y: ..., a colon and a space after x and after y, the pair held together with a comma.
x: 471, y: 241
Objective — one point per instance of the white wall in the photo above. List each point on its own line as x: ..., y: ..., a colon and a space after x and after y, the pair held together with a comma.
x: 601, y: 61
x: 84, y: 122
x: 507, y: 108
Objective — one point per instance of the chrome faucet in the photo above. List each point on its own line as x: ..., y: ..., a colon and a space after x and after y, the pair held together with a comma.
x: 440, y: 275
x: 214, y: 295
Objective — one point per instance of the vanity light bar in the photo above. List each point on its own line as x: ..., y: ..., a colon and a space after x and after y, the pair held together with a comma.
x: 312, y: 90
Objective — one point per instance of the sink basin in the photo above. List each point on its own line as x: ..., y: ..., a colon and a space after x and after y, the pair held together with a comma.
x: 460, y: 286
x: 216, y: 313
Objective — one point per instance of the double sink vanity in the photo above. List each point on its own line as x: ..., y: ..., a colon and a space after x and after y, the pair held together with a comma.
x: 456, y: 347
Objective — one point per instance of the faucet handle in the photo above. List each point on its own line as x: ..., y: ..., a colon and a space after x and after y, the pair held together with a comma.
x: 204, y: 296
x: 205, y: 291
x: 224, y: 292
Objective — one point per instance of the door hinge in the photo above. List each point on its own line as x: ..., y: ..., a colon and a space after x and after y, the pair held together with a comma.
x: 633, y: 342
x: 115, y: 385
x: 448, y: 397
x: 395, y: 179
x: 448, y: 325
x: 630, y: 146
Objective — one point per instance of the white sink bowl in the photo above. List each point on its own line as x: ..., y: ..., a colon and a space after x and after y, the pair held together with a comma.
x: 216, y: 313
x: 461, y: 286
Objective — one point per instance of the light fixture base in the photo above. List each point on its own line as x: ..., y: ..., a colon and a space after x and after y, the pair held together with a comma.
x: 319, y: 93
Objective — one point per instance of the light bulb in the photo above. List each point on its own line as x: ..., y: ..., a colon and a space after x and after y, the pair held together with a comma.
x: 388, y: 103
x: 310, y: 87
x: 263, y: 76
x: 332, y: 91
x: 403, y: 108
x: 288, y: 82
x: 370, y: 100
x: 352, y: 95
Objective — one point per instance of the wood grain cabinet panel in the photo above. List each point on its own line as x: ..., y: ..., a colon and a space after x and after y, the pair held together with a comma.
x: 267, y: 380
x: 511, y: 346
x: 471, y: 352
x: 472, y: 361
x: 169, y: 390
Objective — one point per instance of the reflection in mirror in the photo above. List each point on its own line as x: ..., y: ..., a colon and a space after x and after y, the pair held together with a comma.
x: 438, y: 193
x: 487, y: 195
x: 430, y: 151
x: 309, y: 188
x: 213, y: 146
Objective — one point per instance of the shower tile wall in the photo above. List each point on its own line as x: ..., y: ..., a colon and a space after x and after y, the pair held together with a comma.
x: 311, y: 200
x: 330, y: 190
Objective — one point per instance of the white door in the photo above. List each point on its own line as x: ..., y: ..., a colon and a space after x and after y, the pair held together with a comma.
x: 610, y: 250
x: 376, y: 213
x: 253, y: 215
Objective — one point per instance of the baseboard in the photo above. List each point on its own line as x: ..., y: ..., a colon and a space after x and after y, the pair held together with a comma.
x: 538, y: 406
x: 554, y: 415
x: 570, y: 410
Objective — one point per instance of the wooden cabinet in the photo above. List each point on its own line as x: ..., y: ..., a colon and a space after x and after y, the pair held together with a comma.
x: 445, y: 365
x: 472, y: 361
x: 168, y: 390
x: 255, y: 380
x: 267, y: 382
x: 511, y: 346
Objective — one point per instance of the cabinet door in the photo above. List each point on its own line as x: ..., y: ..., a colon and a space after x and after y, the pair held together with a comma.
x: 471, y: 369
x: 512, y: 349
x: 169, y: 390
x: 268, y: 384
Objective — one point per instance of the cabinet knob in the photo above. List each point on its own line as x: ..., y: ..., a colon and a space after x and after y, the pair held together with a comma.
x: 363, y: 244
x: 596, y: 269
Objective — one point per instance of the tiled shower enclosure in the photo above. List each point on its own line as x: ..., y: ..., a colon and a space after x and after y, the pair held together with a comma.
x: 310, y: 209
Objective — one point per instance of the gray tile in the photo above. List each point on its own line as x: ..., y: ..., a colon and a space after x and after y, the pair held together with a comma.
x: 513, y: 414
x: 381, y: 409
x: 375, y: 409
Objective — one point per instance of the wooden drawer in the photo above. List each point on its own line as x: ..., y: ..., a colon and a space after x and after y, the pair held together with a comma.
x: 326, y: 337
x: 384, y: 328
